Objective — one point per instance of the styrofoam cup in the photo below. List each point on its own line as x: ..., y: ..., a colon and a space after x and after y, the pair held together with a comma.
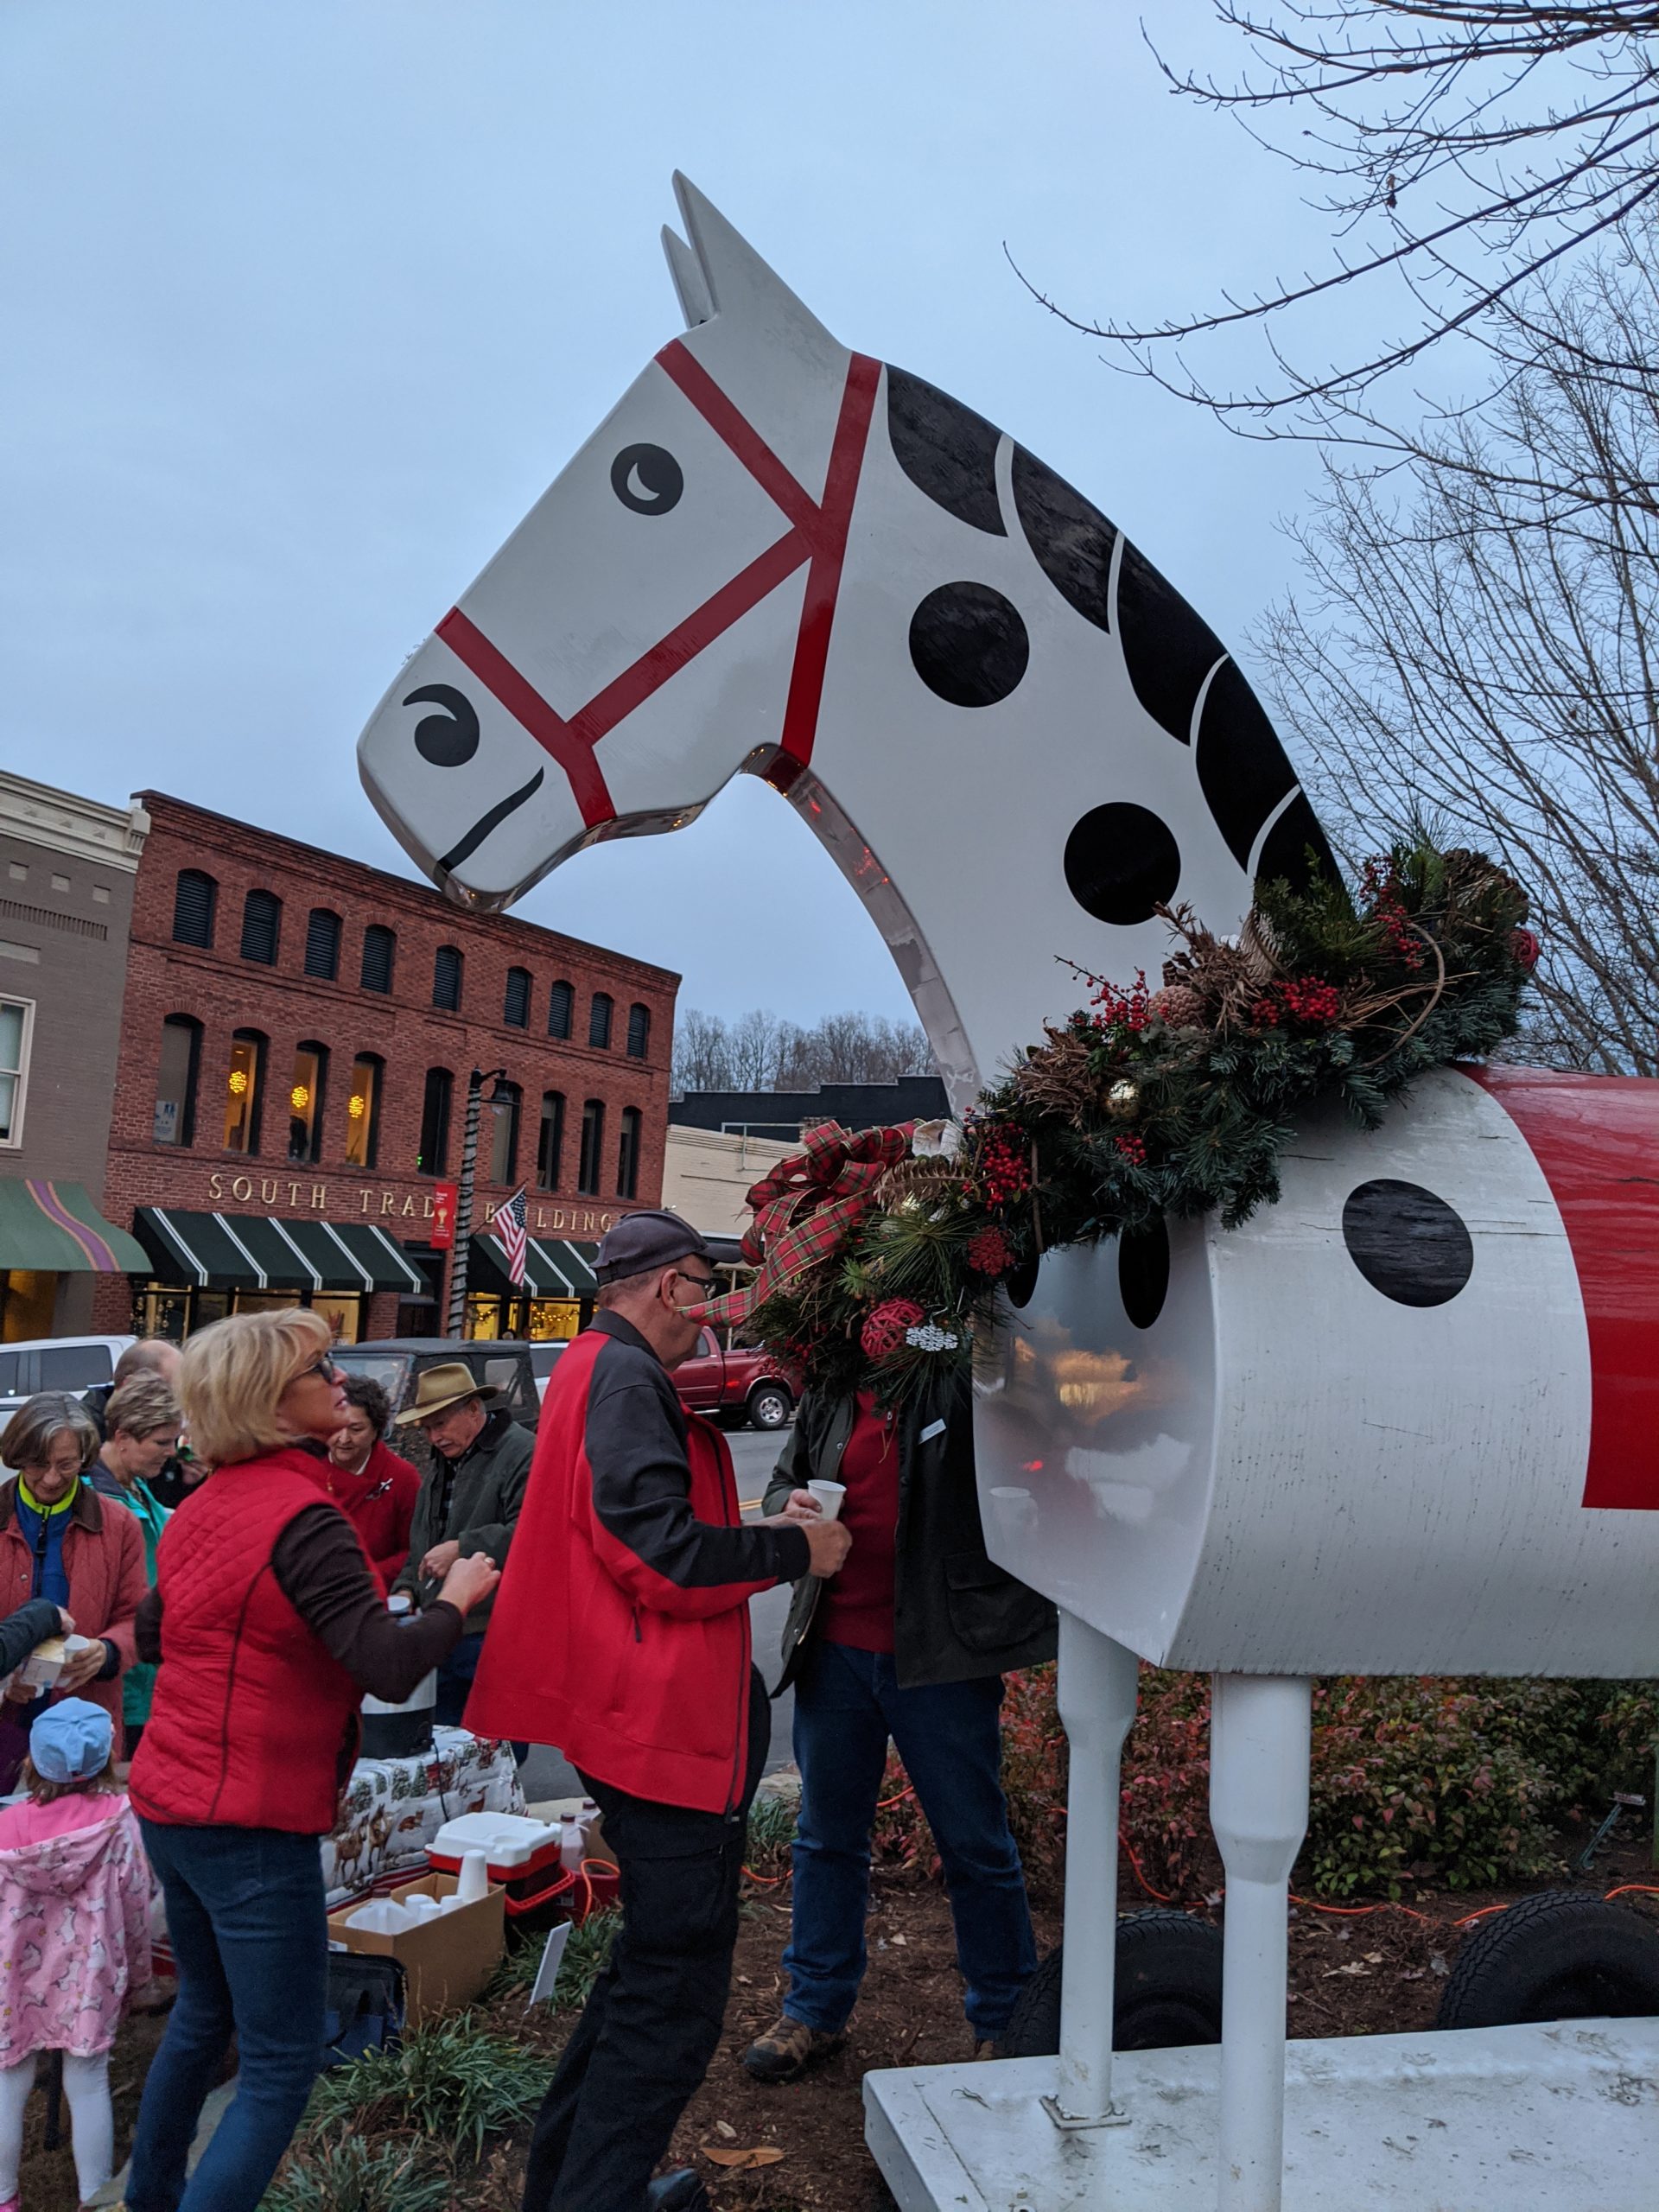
x: 473, y: 1881
x: 828, y: 1496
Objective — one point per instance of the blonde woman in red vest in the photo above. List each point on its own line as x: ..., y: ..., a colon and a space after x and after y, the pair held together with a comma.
x: 269, y: 1624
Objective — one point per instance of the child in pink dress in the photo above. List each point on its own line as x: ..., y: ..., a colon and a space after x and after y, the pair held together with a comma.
x: 74, y: 1934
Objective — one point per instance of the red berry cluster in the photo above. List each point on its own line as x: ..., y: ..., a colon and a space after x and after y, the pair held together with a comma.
x: 1133, y: 1150
x: 1119, y: 1009
x: 1298, y: 998
x: 990, y: 1253
x: 1388, y: 908
x: 1001, y: 1167
x: 885, y: 1326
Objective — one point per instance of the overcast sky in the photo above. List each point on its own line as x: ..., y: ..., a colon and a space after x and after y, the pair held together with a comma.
x: 305, y: 304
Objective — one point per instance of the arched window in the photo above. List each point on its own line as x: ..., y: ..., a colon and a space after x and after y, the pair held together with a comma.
x: 588, y: 1167
x: 445, y: 978
x: 435, y: 1121
x: 363, y: 1111
x: 515, y: 1010
x: 322, y: 944
x: 262, y: 927
x: 305, y: 1101
x: 598, y: 1022
x: 175, y: 1080
x: 550, y: 1145
x: 504, y: 1132
x: 639, y: 1032
x: 627, y: 1154
x: 195, y: 897
x: 245, y: 1086
x: 379, y: 943
x: 561, y: 1005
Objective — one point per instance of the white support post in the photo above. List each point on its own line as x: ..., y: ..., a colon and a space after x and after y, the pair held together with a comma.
x: 1259, y: 1749
x: 1097, y: 1685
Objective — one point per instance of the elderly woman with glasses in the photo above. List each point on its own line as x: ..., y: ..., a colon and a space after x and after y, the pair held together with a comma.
x: 61, y: 1543
x: 269, y: 1623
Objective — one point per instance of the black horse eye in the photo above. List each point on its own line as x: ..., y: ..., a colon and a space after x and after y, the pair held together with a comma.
x: 647, y: 478
x: 449, y: 740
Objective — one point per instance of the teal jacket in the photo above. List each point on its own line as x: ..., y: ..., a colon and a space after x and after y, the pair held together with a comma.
x: 138, y: 1683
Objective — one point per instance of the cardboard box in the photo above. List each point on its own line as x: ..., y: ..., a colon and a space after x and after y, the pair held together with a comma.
x: 446, y: 1961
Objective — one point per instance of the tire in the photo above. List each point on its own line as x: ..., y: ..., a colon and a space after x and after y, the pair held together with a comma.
x: 1168, y: 1990
x: 770, y: 1405
x: 1558, y: 1956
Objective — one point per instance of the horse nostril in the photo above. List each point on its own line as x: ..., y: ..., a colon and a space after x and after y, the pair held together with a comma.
x: 449, y: 740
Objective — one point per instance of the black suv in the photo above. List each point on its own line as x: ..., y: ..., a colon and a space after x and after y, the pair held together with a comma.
x: 397, y: 1363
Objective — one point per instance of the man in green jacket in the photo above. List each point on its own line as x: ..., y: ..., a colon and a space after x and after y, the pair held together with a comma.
x: 469, y: 1502
x: 909, y: 1644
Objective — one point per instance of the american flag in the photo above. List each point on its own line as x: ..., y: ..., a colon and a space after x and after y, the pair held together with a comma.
x: 509, y: 1226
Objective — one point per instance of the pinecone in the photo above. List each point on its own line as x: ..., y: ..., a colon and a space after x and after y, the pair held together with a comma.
x: 1177, y: 1005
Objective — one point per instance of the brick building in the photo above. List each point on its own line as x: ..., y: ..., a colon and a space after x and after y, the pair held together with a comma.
x: 67, y: 867
x: 296, y: 1042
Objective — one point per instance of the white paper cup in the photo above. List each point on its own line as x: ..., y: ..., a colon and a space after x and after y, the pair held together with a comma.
x: 828, y: 1496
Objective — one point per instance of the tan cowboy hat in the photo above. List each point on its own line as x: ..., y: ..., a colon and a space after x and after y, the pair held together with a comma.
x: 439, y: 1388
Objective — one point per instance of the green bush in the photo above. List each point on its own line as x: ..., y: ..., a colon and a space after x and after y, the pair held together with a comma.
x: 1465, y: 1782
x: 352, y: 2176
x: 772, y: 1833
x: 451, y: 2080
x: 584, y: 1961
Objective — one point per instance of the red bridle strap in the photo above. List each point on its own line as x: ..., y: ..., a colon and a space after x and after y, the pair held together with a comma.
x: 818, y: 536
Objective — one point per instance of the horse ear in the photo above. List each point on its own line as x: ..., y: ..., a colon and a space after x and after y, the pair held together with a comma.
x: 695, y: 305
x: 742, y: 286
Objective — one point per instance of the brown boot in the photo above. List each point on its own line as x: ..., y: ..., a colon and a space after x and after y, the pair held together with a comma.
x: 788, y: 2048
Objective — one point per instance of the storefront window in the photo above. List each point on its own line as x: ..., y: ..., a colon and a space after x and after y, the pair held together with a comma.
x: 242, y: 1088
x: 363, y: 1112
x: 175, y: 1080
x: 549, y: 1147
x: 551, y: 1319
x: 305, y: 1101
x: 504, y: 1132
x: 343, y: 1311
x: 592, y: 1148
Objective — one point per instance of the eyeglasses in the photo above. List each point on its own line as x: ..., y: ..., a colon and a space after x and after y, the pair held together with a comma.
x: 707, y: 1284
x: 325, y: 1367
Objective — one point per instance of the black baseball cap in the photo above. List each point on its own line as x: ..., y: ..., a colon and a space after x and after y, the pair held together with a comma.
x: 640, y: 1241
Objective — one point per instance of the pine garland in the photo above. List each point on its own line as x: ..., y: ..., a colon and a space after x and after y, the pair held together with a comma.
x: 1180, y: 1101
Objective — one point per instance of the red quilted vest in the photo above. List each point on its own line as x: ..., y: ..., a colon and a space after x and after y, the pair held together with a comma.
x: 251, y: 1715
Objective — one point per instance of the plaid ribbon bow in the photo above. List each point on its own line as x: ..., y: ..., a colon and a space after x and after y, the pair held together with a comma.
x: 807, y: 1204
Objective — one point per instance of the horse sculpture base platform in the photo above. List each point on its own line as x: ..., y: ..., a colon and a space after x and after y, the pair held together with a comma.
x: 1558, y: 2117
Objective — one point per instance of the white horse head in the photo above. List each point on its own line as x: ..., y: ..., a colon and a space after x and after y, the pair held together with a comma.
x: 780, y: 557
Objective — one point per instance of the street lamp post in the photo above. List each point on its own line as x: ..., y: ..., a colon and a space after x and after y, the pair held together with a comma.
x: 460, y: 1251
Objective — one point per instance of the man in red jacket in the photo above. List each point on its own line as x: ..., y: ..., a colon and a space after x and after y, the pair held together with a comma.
x: 621, y: 1635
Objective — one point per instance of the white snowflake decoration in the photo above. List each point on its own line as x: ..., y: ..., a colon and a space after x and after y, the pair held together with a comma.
x: 927, y: 1335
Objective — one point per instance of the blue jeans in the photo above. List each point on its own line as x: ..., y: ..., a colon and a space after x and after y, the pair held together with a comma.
x: 949, y: 1735
x: 246, y: 1920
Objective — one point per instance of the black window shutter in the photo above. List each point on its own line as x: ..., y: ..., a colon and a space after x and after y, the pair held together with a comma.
x: 378, y: 945
x: 322, y: 944
x: 560, y: 1002
x: 445, y: 979
x: 639, y: 1032
x: 261, y: 919
x: 516, y: 1011
x: 193, y: 899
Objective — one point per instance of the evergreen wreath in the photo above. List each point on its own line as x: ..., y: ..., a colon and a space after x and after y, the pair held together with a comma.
x: 880, y: 1254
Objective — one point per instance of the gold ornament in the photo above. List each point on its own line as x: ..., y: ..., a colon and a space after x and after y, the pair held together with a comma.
x: 1123, y: 1100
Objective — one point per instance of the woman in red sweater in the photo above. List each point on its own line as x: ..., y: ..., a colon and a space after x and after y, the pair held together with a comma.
x: 268, y: 1623
x: 372, y: 1487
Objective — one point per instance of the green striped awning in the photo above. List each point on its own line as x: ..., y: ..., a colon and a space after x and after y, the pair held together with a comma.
x: 54, y: 1227
x: 251, y: 1251
x: 553, y: 1268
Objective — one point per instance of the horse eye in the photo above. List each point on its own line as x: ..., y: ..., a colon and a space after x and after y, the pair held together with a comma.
x: 647, y: 478
x: 449, y: 740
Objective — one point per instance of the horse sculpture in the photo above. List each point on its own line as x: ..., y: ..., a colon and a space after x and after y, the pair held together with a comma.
x: 1406, y: 1421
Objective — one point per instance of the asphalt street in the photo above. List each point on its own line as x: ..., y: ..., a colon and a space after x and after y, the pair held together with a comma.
x: 754, y: 1453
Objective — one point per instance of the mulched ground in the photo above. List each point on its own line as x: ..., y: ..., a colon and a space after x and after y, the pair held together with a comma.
x: 1379, y: 1973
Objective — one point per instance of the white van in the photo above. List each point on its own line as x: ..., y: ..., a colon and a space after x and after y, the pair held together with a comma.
x: 73, y: 1364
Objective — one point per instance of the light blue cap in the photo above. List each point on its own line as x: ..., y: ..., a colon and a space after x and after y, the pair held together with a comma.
x: 71, y: 1741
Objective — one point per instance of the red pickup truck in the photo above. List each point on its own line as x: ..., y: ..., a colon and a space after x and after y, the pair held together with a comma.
x: 741, y: 1384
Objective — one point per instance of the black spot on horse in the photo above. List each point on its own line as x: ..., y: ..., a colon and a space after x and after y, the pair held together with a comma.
x: 1167, y: 649
x: 1406, y: 1243
x: 1143, y: 1273
x: 1122, y: 863
x: 1072, y: 539
x: 1286, y: 847
x: 969, y: 644
x: 1242, y: 771
x: 945, y: 449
